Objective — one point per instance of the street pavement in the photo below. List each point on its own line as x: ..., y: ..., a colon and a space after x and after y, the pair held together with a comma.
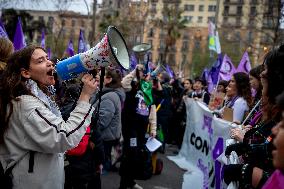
x: 170, y: 178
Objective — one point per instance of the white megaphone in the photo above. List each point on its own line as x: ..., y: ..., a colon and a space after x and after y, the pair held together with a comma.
x: 140, y: 50
x: 157, y: 70
x: 111, y: 50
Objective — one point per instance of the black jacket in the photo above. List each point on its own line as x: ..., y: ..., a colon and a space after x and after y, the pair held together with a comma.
x: 82, y: 167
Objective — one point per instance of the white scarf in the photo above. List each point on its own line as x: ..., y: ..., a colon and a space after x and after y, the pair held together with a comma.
x: 35, y: 90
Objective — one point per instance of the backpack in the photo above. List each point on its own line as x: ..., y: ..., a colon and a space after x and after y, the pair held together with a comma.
x: 6, y: 178
x: 143, y: 164
x: 83, y: 144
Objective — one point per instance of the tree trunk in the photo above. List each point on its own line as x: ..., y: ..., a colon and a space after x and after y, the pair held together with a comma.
x: 165, y: 54
x: 278, y: 18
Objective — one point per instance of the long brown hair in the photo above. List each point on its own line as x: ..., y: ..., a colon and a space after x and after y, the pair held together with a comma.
x: 275, y: 79
x: 12, y: 84
x: 243, y: 86
x: 116, y: 78
x: 255, y: 72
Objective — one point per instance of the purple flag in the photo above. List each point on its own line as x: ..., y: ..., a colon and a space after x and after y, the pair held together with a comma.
x: 205, y: 77
x: 49, y: 53
x: 227, y: 69
x: 214, y: 71
x: 3, y: 32
x: 70, y: 48
x: 133, y: 61
x: 122, y: 71
x: 42, y: 42
x: 205, y: 74
x: 170, y: 71
x: 210, y: 84
x: 19, y: 38
x: 81, y: 43
x: 152, y: 66
x: 244, y: 65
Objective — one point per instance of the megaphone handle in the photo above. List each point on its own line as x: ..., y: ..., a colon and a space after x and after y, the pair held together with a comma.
x: 97, y: 113
x: 102, y: 77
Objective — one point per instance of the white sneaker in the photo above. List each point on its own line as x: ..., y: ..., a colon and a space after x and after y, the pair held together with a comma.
x: 136, y: 186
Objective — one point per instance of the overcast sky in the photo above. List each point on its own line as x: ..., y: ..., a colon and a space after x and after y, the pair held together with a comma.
x: 49, y: 5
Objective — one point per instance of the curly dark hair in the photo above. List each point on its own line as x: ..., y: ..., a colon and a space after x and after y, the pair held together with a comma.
x: 12, y: 83
x: 275, y: 73
x: 243, y: 86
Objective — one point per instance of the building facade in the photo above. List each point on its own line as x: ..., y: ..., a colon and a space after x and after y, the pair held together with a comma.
x: 243, y: 25
x: 251, y: 25
x: 128, y: 16
x: 193, y: 38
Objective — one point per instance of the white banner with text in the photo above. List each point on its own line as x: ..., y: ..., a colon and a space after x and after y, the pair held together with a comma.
x: 203, y: 142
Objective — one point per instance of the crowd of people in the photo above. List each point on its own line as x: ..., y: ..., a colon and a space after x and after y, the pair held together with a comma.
x: 57, y: 134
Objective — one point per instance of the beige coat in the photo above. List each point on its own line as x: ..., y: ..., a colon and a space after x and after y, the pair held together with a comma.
x: 33, y: 127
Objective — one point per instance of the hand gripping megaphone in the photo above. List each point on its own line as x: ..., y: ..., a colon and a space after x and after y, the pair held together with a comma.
x: 157, y: 70
x: 111, y: 50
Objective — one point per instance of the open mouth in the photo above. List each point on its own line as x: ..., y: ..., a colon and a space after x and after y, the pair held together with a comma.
x: 50, y: 73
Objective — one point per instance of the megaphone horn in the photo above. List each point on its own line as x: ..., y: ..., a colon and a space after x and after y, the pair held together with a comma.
x: 142, y: 48
x: 111, y: 50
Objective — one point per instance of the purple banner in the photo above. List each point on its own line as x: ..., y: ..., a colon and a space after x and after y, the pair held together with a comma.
x: 205, y: 74
x: 19, y: 38
x: 227, y: 69
x: 81, y: 43
x: 214, y: 71
x: 133, y: 61
x: 42, y: 42
x: 70, y: 48
x: 245, y: 65
x: 170, y: 71
x: 3, y: 32
x: 49, y: 53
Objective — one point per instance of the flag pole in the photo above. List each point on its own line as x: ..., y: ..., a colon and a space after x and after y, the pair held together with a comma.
x: 216, y: 86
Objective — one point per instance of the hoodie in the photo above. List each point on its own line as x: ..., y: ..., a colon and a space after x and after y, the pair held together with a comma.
x: 109, y: 122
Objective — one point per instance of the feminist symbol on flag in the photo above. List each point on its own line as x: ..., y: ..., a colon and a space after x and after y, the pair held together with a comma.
x: 246, y: 66
x: 227, y: 68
